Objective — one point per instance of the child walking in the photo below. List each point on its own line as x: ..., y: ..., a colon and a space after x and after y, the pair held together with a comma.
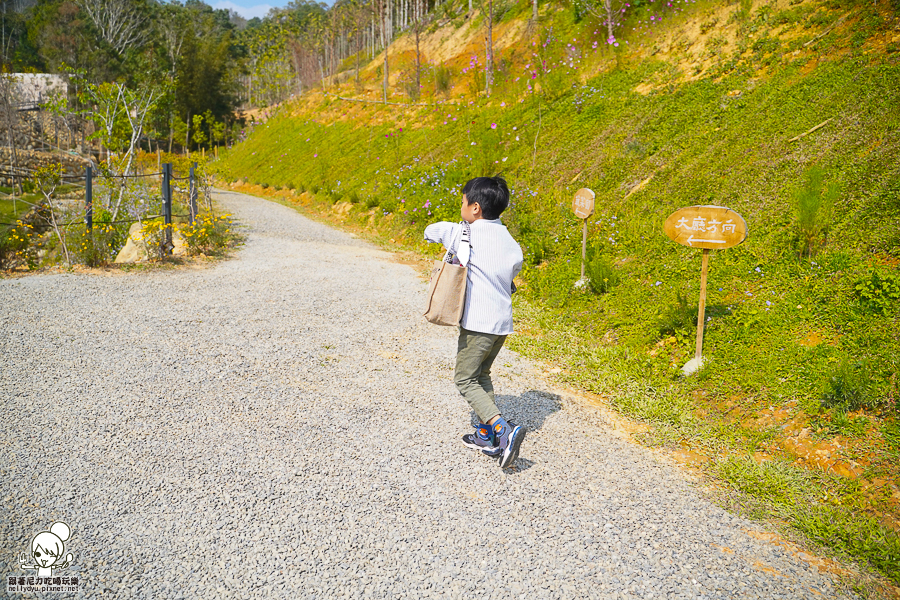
x: 493, y: 259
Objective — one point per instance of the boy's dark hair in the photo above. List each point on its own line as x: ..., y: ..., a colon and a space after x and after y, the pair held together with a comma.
x: 491, y: 194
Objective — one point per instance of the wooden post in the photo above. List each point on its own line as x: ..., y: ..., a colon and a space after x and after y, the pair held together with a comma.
x: 167, y: 207
x: 193, y: 194
x: 88, y: 198
x: 583, y: 247
x: 701, y: 311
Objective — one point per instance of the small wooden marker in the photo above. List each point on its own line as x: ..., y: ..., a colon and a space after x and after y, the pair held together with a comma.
x: 583, y: 206
x: 709, y: 228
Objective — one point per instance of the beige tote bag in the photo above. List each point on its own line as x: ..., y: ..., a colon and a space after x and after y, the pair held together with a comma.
x: 447, y: 288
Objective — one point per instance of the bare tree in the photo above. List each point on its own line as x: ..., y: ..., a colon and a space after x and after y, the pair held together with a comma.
x: 488, y: 45
x: 112, y: 102
x: 610, y: 14
x: 120, y: 22
x: 385, y: 8
x: 421, y: 19
x: 48, y: 179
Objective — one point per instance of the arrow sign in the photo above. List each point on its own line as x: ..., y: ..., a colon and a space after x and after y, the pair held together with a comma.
x: 691, y: 241
x: 708, y: 227
x: 718, y: 228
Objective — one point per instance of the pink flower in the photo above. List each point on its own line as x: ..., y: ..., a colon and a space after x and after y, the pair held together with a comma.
x: 493, y: 126
x: 315, y: 155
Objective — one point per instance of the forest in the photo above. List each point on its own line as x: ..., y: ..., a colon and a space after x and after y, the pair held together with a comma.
x: 202, y: 65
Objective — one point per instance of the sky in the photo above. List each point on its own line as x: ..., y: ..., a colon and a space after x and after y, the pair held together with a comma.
x: 248, y: 8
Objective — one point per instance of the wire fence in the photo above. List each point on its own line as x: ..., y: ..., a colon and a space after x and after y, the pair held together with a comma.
x: 166, y: 179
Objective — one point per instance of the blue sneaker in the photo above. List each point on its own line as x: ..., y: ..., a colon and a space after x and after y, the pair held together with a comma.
x: 483, y: 439
x: 509, y: 439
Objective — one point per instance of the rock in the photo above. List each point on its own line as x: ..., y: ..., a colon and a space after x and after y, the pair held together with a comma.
x: 135, y: 249
x: 692, y: 366
x: 342, y: 208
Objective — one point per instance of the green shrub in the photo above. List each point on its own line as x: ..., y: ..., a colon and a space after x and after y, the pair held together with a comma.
x: 372, y: 201
x: 301, y: 187
x: 556, y: 83
x: 210, y: 234
x: 878, y: 292
x: 17, y: 246
x: 315, y: 189
x: 849, y: 388
x: 891, y: 434
x: 678, y: 316
x: 600, y: 273
x: 101, y: 245
x: 813, y: 201
x: 442, y: 79
x: 840, y: 423
x: 353, y: 197
x: 413, y: 91
x: 538, y: 247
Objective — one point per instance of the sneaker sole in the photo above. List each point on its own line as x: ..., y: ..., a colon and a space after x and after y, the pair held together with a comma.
x: 493, y: 452
x: 511, y: 453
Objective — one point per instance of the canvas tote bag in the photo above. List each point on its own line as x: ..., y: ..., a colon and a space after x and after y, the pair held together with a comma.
x: 447, y: 288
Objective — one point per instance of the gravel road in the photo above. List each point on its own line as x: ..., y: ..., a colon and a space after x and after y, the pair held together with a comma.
x: 284, y: 425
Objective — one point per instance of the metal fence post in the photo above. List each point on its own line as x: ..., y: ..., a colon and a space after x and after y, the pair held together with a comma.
x: 167, y: 207
x: 88, y: 198
x: 193, y: 193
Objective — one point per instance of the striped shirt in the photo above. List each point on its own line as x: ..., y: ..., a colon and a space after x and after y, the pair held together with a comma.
x: 493, y: 262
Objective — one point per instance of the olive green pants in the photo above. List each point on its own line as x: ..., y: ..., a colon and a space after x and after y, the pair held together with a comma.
x: 475, y: 353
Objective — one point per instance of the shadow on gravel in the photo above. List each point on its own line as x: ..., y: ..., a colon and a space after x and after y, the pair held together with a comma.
x: 530, y: 409
x: 521, y: 464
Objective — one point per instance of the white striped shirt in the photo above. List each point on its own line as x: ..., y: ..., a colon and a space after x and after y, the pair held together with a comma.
x: 494, y: 260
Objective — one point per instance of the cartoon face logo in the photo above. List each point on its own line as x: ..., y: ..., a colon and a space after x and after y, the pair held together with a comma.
x: 47, y: 549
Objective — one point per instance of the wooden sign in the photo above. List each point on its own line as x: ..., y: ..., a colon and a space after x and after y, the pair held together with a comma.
x: 583, y: 205
x: 708, y: 227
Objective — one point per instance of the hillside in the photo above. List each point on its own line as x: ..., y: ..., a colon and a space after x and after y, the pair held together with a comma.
x: 787, y: 112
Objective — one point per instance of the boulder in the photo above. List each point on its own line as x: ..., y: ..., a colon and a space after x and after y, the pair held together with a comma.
x: 136, y: 250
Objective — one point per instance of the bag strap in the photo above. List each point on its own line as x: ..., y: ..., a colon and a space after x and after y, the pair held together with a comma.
x: 465, y: 234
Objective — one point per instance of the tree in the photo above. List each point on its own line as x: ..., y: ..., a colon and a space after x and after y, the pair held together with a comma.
x: 121, y: 114
x: 120, y: 23
x: 421, y: 19
x: 203, y: 70
x: 48, y: 179
x: 488, y: 45
x: 610, y: 13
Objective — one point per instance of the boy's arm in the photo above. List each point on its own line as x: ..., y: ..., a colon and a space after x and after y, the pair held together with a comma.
x: 517, y: 268
x: 441, y: 233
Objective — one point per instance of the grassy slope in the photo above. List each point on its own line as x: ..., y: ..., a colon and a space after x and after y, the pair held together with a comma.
x: 784, y: 331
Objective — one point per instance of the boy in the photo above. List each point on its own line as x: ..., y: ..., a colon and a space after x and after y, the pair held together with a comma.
x: 493, y: 259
